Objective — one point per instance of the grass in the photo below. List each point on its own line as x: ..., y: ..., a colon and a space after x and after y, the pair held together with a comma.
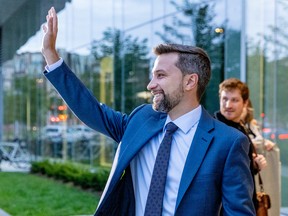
x: 24, y: 194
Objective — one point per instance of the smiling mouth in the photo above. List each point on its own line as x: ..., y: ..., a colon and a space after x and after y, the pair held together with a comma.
x: 156, y: 96
x: 156, y: 92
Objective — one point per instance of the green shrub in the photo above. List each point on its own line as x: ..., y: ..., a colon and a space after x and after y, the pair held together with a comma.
x: 78, y: 174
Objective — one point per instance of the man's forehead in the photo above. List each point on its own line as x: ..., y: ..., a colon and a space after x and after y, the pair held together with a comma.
x: 167, y: 57
x: 164, y: 62
x: 231, y: 92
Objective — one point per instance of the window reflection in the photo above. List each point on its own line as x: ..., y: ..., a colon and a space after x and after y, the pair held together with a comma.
x: 108, y: 45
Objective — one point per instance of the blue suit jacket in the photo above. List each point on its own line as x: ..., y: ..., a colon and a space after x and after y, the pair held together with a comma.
x: 216, y: 172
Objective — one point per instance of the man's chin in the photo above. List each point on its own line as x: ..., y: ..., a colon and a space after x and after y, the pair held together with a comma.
x: 157, y: 108
x: 230, y: 118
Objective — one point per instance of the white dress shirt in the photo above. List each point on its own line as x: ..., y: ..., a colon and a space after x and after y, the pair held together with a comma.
x: 52, y: 67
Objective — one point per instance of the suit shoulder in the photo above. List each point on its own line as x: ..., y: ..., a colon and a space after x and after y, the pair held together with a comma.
x: 226, y: 129
x: 145, y: 110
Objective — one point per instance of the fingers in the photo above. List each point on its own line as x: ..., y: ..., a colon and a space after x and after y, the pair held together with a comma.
x: 49, y: 39
x: 261, y: 161
x: 269, y: 145
x: 55, y: 20
x: 52, y: 22
x: 44, y: 27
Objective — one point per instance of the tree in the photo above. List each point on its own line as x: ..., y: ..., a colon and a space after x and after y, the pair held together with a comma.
x: 130, y: 66
x: 272, y: 58
x: 25, y: 103
x: 197, y: 27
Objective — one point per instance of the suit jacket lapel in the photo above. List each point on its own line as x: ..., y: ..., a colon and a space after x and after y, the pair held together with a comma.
x: 196, y: 154
x: 135, y: 142
x: 132, y: 143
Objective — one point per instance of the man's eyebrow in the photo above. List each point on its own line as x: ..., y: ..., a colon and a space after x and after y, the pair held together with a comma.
x: 158, y: 71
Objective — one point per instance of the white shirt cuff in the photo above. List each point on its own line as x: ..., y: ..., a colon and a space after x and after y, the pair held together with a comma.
x: 52, y: 67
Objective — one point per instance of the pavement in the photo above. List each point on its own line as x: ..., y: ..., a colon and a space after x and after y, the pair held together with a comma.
x: 283, y: 211
x: 6, y: 166
x: 2, y: 213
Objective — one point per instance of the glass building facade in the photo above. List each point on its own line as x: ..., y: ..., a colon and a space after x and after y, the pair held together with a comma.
x: 108, y: 45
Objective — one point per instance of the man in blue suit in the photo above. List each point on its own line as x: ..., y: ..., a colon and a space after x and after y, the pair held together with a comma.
x: 208, y: 166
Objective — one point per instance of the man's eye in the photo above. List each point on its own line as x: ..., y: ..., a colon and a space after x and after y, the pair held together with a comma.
x: 160, y: 76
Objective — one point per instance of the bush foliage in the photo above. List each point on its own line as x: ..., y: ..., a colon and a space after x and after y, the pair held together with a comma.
x: 71, y: 172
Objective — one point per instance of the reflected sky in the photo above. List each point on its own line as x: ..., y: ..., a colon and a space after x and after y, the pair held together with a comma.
x: 83, y: 21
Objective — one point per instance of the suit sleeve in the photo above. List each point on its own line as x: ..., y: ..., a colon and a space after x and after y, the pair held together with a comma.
x: 85, y: 106
x: 237, y: 184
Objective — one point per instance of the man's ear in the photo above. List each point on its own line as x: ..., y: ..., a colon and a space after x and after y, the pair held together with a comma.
x: 191, y: 81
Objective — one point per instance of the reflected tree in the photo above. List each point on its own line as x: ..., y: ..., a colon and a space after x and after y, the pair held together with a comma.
x: 196, y: 26
x: 128, y: 54
x: 25, y: 105
x: 267, y: 76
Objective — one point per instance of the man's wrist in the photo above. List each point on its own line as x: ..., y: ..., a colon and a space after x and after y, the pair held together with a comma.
x: 51, y: 57
x: 53, y: 66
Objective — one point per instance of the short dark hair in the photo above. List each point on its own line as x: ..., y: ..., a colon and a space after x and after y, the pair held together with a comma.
x: 191, y: 60
x: 232, y: 84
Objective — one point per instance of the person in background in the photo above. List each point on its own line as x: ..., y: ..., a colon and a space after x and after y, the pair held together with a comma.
x: 234, y: 96
x: 254, y: 129
x: 206, y: 170
x: 271, y: 175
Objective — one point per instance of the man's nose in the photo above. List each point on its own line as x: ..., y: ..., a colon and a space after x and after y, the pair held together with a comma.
x: 228, y: 103
x: 151, y: 85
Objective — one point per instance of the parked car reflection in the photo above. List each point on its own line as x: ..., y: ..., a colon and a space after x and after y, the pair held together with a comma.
x: 60, y: 133
x: 80, y: 132
x: 52, y: 133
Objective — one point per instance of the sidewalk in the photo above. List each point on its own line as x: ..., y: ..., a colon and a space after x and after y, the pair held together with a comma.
x: 284, y: 211
x: 6, y: 166
x: 2, y: 213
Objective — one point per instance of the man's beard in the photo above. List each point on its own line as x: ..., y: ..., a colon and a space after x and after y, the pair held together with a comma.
x: 169, y: 101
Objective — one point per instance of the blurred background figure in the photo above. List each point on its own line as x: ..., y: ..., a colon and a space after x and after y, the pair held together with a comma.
x: 271, y: 175
x: 254, y: 129
x: 234, y: 96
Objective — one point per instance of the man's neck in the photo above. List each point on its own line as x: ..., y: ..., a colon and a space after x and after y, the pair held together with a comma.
x: 176, y: 112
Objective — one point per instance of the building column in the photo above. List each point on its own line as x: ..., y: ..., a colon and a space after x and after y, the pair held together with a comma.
x: 1, y: 89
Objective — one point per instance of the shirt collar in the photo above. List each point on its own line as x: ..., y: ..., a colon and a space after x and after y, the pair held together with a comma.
x: 186, y: 121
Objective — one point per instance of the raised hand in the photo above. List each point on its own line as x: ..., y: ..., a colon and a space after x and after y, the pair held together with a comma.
x: 50, y: 30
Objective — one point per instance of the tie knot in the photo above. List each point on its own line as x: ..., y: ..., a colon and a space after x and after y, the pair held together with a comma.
x: 171, y: 127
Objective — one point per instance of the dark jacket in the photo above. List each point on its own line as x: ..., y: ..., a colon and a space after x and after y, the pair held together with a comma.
x: 252, y: 150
